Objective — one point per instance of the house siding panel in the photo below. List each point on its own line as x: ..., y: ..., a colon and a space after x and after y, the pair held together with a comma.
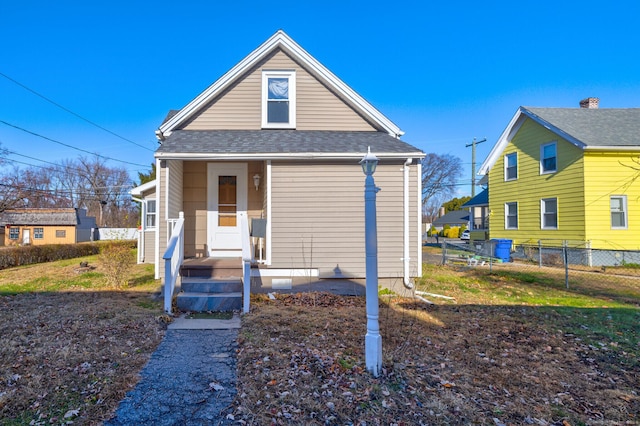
x: 307, y: 232
x: 239, y: 107
x: 608, y: 174
x: 567, y: 185
x: 174, y: 206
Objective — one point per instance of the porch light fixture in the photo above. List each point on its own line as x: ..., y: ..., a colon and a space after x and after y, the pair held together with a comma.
x: 372, y: 340
x: 256, y: 181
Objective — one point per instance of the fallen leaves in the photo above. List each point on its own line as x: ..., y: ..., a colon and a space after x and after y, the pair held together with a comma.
x: 301, y: 361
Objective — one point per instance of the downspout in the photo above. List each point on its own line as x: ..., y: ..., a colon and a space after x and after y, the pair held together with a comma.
x: 406, y: 255
x: 143, y: 209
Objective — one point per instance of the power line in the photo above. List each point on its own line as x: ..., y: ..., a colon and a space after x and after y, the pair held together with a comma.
x: 73, y: 113
x: 69, y: 146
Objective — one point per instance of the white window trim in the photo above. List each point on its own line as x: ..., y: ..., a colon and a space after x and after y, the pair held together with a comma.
x: 506, y: 215
x: 36, y: 235
x: 146, y: 213
x: 542, y: 211
x: 14, y: 235
x: 546, y: 172
x: 506, y: 166
x: 291, y: 75
x: 625, y: 211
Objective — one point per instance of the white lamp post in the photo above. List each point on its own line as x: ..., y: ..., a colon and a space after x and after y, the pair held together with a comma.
x: 373, y: 340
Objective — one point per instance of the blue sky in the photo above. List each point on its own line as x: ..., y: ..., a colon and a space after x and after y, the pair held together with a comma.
x: 445, y: 72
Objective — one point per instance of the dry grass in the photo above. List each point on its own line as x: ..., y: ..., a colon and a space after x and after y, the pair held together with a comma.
x: 71, y: 347
x: 301, y: 362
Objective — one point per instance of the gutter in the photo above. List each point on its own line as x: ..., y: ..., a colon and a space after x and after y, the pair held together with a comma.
x: 281, y: 156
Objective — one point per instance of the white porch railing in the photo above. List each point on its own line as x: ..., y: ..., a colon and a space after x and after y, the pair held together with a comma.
x: 173, y: 257
x: 247, y: 260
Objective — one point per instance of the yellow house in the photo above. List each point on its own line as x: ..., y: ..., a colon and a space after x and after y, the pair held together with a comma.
x: 46, y: 226
x: 567, y: 176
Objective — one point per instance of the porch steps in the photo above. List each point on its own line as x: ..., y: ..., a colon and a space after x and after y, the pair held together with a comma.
x: 210, y: 285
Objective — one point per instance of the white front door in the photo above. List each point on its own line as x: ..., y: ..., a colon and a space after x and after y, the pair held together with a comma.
x: 226, y: 199
x: 26, y: 237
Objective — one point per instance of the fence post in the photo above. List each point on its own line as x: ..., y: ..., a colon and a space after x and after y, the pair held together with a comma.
x: 539, y: 253
x: 490, y: 256
x: 565, y: 257
x: 444, y: 252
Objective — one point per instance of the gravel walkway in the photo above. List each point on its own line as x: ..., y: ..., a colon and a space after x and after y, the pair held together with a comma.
x: 189, y: 380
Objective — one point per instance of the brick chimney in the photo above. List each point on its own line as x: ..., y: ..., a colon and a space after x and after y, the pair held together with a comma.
x: 589, y: 103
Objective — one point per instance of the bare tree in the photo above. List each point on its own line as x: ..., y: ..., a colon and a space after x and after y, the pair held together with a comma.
x: 439, y: 176
x: 83, y: 183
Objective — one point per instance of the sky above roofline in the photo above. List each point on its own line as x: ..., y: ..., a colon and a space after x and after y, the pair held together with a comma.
x: 445, y: 73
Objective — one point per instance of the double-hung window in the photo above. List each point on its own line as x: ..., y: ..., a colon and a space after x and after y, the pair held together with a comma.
x: 511, y: 215
x: 38, y: 233
x: 150, y: 215
x: 549, y: 213
x: 279, y: 99
x: 618, y: 211
x: 548, y: 158
x: 14, y: 233
x: 511, y: 166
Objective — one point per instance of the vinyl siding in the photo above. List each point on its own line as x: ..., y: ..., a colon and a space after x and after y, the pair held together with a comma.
x: 608, y: 174
x: 149, y: 246
x: 318, y: 218
x: 239, y: 107
x: 174, y: 205
x: 567, y: 185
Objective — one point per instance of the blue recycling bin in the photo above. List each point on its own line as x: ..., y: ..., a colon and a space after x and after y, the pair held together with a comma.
x: 503, y: 249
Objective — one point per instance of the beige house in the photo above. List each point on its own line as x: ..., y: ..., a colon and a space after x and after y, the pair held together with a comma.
x: 273, y: 147
x: 46, y: 226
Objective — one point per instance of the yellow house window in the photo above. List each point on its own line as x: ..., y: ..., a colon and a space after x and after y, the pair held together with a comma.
x: 548, y: 158
x: 618, y: 211
x: 511, y: 215
x: 38, y: 233
x: 61, y: 233
x: 511, y: 166
x: 549, y: 207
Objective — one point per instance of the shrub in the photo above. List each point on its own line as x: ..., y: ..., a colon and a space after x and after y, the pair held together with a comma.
x: 27, y: 255
x: 116, y: 257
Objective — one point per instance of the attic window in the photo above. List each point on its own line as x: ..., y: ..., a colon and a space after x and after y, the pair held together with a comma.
x: 279, y: 99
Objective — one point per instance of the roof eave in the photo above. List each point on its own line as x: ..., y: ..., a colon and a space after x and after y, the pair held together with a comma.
x: 283, y: 156
x: 279, y: 39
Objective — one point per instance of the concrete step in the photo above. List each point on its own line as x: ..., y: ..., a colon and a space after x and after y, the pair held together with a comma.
x: 203, y: 302
x: 211, y: 285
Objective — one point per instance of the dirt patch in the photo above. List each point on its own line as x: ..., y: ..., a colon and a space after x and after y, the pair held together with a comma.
x: 72, y: 356
x: 301, y: 361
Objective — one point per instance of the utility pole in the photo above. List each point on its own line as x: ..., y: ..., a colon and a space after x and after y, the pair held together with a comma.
x: 473, y: 163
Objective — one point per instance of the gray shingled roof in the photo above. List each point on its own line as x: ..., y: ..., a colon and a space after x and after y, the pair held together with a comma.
x: 454, y: 217
x: 30, y: 217
x: 281, y: 141
x: 595, y: 127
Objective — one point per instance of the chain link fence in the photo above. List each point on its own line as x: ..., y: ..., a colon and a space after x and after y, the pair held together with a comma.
x: 572, y: 262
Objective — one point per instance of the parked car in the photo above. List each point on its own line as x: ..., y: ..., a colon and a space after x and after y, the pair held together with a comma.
x: 466, y: 235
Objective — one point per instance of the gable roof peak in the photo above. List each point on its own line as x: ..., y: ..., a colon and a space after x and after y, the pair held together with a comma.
x: 281, y: 40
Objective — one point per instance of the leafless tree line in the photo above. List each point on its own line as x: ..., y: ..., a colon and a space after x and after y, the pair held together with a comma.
x: 87, y: 183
